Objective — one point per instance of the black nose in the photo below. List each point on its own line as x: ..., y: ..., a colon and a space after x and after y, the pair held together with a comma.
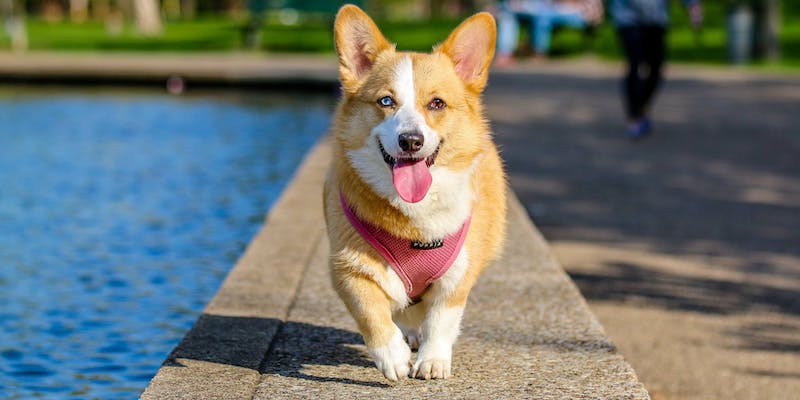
x: 411, y: 141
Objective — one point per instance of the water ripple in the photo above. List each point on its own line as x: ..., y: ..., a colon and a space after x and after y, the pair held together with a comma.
x: 120, y: 214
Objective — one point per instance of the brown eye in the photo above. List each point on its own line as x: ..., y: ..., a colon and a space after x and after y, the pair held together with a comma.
x: 437, y: 104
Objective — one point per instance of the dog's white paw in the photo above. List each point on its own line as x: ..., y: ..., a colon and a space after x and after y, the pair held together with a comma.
x: 393, y: 359
x: 433, y: 362
x: 431, y: 369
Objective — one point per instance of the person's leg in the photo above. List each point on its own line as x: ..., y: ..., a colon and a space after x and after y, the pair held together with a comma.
x: 541, y: 29
x: 654, y: 54
x: 633, y: 83
x: 630, y: 37
x: 507, y: 32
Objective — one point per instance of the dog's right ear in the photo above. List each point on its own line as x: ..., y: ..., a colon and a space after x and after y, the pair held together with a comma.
x: 358, y: 43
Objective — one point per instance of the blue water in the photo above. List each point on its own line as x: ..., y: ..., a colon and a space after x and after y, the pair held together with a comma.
x: 120, y: 214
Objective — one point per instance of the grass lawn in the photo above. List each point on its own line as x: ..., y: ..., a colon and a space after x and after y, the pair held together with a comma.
x: 221, y: 34
x: 216, y: 34
x: 414, y: 36
x: 198, y: 35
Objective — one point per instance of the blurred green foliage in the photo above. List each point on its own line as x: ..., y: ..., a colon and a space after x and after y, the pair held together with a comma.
x: 223, y: 33
x: 318, y: 37
x: 195, y: 35
x: 217, y: 34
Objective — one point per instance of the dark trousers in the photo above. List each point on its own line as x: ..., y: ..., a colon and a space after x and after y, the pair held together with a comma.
x: 644, y: 48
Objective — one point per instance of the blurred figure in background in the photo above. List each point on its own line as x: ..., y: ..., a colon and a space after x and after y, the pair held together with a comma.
x: 542, y: 16
x: 12, y: 16
x: 641, y: 26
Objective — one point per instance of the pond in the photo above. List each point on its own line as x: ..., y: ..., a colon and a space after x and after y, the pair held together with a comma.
x: 121, y: 211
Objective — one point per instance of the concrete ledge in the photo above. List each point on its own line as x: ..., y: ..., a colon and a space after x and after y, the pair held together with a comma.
x: 276, y: 329
x: 295, y: 71
x: 197, y: 69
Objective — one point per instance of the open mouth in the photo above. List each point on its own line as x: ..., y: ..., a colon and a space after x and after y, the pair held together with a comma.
x: 410, y: 176
x: 391, y: 161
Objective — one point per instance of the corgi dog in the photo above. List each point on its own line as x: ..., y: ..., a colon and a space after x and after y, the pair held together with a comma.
x: 415, y: 198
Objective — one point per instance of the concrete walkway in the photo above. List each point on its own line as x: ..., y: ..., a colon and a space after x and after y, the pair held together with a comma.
x: 276, y: 329
x: 686, y: 245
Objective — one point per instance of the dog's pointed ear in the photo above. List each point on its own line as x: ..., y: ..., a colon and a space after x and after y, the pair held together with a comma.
x: 358, y: 43
x: 471, y: 48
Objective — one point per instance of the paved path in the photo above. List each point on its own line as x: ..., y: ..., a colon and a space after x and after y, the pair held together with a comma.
x: 687, y: 245
x: 276, y: 328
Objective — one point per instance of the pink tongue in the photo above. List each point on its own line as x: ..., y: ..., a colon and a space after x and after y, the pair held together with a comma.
x: 411, y: 179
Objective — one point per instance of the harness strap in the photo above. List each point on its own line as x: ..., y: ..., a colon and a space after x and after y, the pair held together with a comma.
x: 417, y: 264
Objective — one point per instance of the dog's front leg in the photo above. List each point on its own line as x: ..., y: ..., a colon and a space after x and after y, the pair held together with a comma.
x: 371, y: 309
x: 439, y: 332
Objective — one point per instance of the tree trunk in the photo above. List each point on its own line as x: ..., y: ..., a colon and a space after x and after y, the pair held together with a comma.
x: 13, y: 13
x: 148, y: 17
x: 100, y: 9
x: 436, y: 8
x: 188, y: 9
x: 769, y: 25
x: 172, y: 9
x: 78, y: 10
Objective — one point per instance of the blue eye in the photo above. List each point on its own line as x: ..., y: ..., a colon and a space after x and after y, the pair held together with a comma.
x: 386, y: 101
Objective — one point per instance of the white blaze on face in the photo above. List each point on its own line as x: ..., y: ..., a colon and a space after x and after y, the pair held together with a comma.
x: 411, y: 176
x: 408, y: 117
x: 404, y: 86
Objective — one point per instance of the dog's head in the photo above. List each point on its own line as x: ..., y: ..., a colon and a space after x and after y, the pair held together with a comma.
x: 406, y: 115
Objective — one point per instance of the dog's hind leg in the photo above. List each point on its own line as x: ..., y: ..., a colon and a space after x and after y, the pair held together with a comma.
x: 410, y: 320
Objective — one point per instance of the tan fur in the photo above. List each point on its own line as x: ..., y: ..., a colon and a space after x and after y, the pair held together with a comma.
x: 366, y: 70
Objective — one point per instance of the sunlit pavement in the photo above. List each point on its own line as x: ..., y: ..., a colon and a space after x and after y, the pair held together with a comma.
x: 686, y: 245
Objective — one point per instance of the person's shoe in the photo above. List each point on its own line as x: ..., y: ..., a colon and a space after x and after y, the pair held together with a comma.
x: 539, y: 58
x: 639, y: 129
x: 504, y: 61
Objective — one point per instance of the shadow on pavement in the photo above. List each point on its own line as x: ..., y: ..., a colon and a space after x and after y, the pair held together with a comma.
x: 300, y: 344
x: 770, y: 374
x: 623, y: 282
x: 718, y: 167
x: 226, y: 340
x: 719, y: 179
x: 245, y: 342
x: 770, y: 337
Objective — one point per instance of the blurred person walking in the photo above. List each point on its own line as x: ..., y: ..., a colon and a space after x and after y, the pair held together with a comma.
x: 542, y: 17
x: 641, y: 27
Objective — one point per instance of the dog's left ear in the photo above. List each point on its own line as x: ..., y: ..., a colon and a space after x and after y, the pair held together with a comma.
x: 471, y: 48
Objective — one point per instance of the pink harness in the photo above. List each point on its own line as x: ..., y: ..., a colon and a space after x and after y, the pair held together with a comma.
x: 418, y: 264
